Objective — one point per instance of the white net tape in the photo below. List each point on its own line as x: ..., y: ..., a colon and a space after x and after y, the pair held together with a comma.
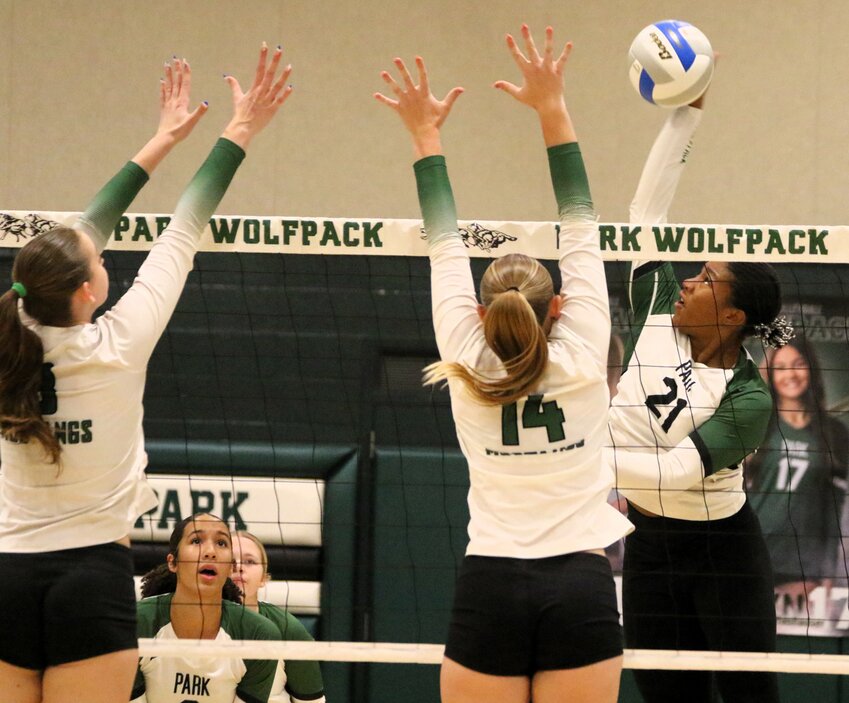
x: 400, y: 653
x: 402, y: 237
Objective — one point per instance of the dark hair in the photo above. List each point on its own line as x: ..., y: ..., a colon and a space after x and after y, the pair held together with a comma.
x: 756, y: 291
x: 814, y: 397
x: 813, y: 401
x: 160, y: 579
x: 516, y: 290
x: 50, y: 267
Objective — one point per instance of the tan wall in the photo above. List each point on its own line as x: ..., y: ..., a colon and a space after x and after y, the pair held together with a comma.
x: 78, y: 87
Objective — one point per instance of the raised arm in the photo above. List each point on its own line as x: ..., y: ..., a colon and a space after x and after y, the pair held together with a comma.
x: 664, y: 166
x: 139, y: 318
x: 653, y: 283
x: 585, y: 310
x: 455, y: 317
x: 176, y: 122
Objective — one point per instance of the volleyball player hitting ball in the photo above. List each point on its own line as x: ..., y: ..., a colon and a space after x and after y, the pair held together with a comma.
x: 535, y: 609
x: 690, y: 406
x: 67, y: 509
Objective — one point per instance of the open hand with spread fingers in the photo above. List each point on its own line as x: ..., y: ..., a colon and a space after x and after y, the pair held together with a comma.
x: 421, y: 112
x: 542, y: 84
x: 254, y: 109
x: 175, y: 89
x: 176, y: 120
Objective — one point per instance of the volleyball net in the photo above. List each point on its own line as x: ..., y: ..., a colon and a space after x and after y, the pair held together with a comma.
x: 286, y: 397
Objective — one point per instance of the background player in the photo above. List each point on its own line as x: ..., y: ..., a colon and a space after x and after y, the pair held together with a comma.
x: 534, y: 611
x: 798, y: 478
x: 295, y: 681
x: 192, y: 597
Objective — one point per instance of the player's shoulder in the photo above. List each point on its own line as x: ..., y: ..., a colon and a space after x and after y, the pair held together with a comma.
x: 288, y: 625
x: 747, y: 384
x: 242, y: 623
x: 747, y: 373
x: 153, y: 613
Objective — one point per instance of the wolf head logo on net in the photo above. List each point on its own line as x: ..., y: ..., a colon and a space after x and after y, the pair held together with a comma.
x: 27, y: 227
x: 476, y: 235
x: 483, y: 238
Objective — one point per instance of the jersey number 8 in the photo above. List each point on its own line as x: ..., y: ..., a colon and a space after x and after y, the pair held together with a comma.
x: 47, y: 394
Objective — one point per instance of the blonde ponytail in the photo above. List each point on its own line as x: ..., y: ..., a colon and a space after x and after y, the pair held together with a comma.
x: 516, y: 291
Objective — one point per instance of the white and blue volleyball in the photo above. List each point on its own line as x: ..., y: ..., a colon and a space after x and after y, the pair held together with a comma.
x: 671, y: 63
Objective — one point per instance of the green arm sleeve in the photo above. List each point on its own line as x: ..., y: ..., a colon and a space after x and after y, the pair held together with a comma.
x: 204, y: 192
x: 569, y: 178
x: 436, y: 199
x: 735, y: 430
x: 653, y: 289
x: 104, y: 211
x: 140, y: 316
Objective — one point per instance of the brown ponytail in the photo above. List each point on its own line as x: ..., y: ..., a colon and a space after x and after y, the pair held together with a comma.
x: 50, y: 268
x: 516, y: 291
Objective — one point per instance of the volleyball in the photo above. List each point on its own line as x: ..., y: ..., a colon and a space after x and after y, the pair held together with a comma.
x: 671, y: 63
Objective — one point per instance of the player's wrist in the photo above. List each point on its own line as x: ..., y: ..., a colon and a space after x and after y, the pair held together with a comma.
x: 238, y: 132
x: 427, y: 142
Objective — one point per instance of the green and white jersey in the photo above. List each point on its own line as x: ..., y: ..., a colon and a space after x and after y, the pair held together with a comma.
x: 94, y: 377
x: 799, y: 498
x: 203, y: 679
x: 538, y: 487
x: 295, y: 681
x: 678, y: 429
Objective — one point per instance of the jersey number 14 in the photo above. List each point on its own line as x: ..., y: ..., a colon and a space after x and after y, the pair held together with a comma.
x: 534, y: 414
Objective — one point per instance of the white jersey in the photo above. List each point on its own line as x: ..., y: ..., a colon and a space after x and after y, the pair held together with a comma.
x: 96, y: 373
x: 175, y: 680
x: 538, y: 487
x: 678, y: 428
x: 202, y: 679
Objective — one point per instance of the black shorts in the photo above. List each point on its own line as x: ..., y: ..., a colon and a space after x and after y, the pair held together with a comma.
x: 514, y: 617
x: 65, y: 606
x: 700, y: 585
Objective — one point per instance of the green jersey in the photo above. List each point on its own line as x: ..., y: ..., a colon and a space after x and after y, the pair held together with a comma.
x: 199, y: 679
x: 295, y: 681
x: 797, y: 501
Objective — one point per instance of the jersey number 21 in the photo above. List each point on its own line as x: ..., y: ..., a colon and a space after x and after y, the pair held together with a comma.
x: 665, y: 399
